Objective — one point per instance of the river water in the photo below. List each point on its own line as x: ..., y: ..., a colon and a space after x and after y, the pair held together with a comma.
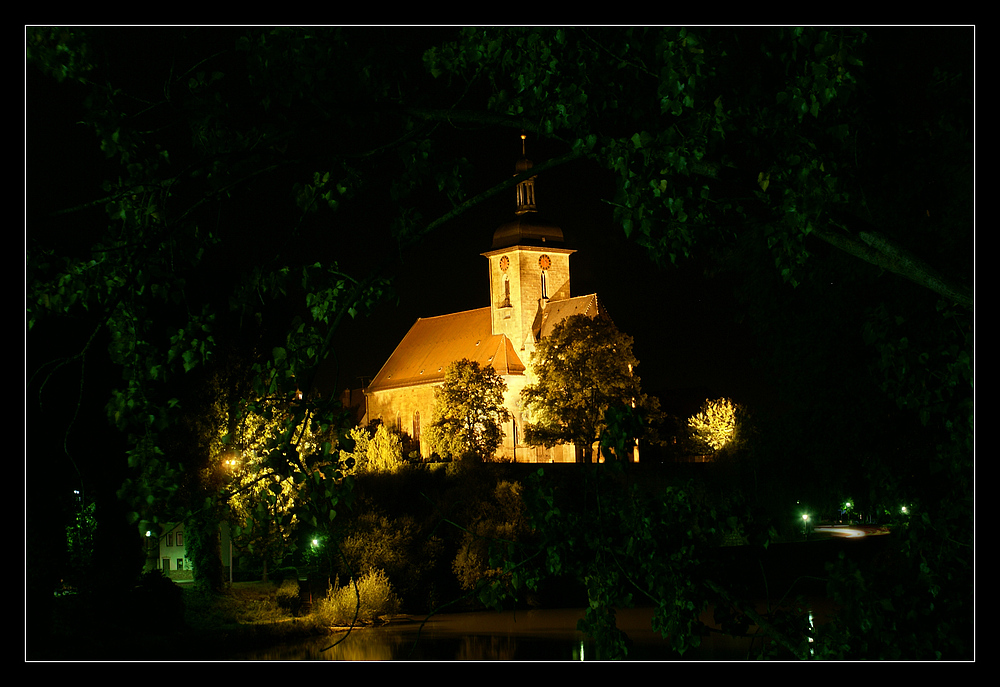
x: 533, y: 635
x: 789, y: 571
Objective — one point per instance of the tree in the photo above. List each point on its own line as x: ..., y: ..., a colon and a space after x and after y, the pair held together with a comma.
x: 143, y: 279
x: 469, y: 413
x: 584, y: 368
x: 715, y: 423
x: 383, y: 452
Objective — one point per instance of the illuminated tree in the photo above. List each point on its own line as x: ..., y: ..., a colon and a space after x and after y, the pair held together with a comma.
x: 378, y: 452
x: 469, y: 412
x: 715, y: 424
x: 238, y: 448
x: 584, y: 368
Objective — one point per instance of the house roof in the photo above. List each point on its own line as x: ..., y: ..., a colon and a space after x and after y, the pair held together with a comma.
x: 433, y: 343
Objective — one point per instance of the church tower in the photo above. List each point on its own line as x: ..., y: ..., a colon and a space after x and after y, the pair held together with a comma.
x: 529, y: 267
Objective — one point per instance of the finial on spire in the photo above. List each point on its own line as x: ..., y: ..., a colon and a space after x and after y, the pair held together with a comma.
x: 525, y: 189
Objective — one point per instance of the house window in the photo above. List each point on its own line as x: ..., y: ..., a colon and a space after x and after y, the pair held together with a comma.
x: 166, y: 564
x: 180, y: 563
x: 170, y: 539
x: 180, y: 539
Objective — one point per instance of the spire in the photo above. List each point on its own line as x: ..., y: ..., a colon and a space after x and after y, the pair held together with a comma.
x: 527, y: 228
x: 525, y: 189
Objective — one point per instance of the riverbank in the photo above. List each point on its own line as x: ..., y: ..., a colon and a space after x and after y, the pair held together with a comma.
x: 86, y: 627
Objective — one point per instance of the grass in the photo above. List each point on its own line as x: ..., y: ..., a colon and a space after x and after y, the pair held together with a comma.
x: 245, y: 603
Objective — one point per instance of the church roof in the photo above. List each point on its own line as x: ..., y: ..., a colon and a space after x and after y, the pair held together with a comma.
x: 527, y: 229
x: 557, y: 310
x: 433, y: 343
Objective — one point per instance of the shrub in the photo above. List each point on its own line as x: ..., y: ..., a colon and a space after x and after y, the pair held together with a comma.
x: 158, y: 602
x: 376, y: 596
x: 288, y: 595
x: 498, y: 517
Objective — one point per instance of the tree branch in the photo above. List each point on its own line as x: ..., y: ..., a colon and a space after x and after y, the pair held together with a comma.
x: 759, y: 620
x: 876, y: 249
x: 503, y: 186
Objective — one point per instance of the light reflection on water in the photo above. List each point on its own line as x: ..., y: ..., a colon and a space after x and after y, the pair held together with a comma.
x: 537, y: 635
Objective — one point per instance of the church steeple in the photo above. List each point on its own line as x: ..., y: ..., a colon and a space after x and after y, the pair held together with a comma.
x: 528, y: 264
x: 525, y: 189
x: 527, y: 228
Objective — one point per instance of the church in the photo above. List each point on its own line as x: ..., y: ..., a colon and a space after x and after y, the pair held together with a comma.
x: 529, y: 275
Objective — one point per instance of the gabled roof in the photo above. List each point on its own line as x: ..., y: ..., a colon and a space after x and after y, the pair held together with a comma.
x: 557, y: 310
x: 433, y: 343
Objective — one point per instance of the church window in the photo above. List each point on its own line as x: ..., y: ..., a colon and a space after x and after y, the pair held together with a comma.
x: 545, y: 291
x: 416, y: 427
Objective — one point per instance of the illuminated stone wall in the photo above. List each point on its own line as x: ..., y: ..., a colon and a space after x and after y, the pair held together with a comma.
x: 389, y: 404
x: 523, y: 278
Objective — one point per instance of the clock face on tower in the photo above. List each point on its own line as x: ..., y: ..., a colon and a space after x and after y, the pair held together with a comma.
x: 504, y: 263
x: 544, y: 262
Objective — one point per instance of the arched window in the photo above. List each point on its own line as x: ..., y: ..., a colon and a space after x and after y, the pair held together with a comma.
x: 416, y: 428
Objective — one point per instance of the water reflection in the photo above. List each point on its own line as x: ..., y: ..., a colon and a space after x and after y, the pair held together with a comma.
x: 538, y: 635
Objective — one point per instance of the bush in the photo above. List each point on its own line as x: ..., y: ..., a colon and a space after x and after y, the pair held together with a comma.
x: 495, y: 517
x: 288, y: 595
x: 158, y: 602
x: 376, y: 595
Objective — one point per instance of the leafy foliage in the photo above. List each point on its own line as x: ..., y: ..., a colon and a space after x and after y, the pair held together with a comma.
x: 80, y: 544
x: 712, y: 133
x: 624, y: 545
x: 371, y: 598
x: 469, y: 412
x: 499, y: 522
x: 376, y: 450
x: 584, y: 367
x: 715, y: 424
